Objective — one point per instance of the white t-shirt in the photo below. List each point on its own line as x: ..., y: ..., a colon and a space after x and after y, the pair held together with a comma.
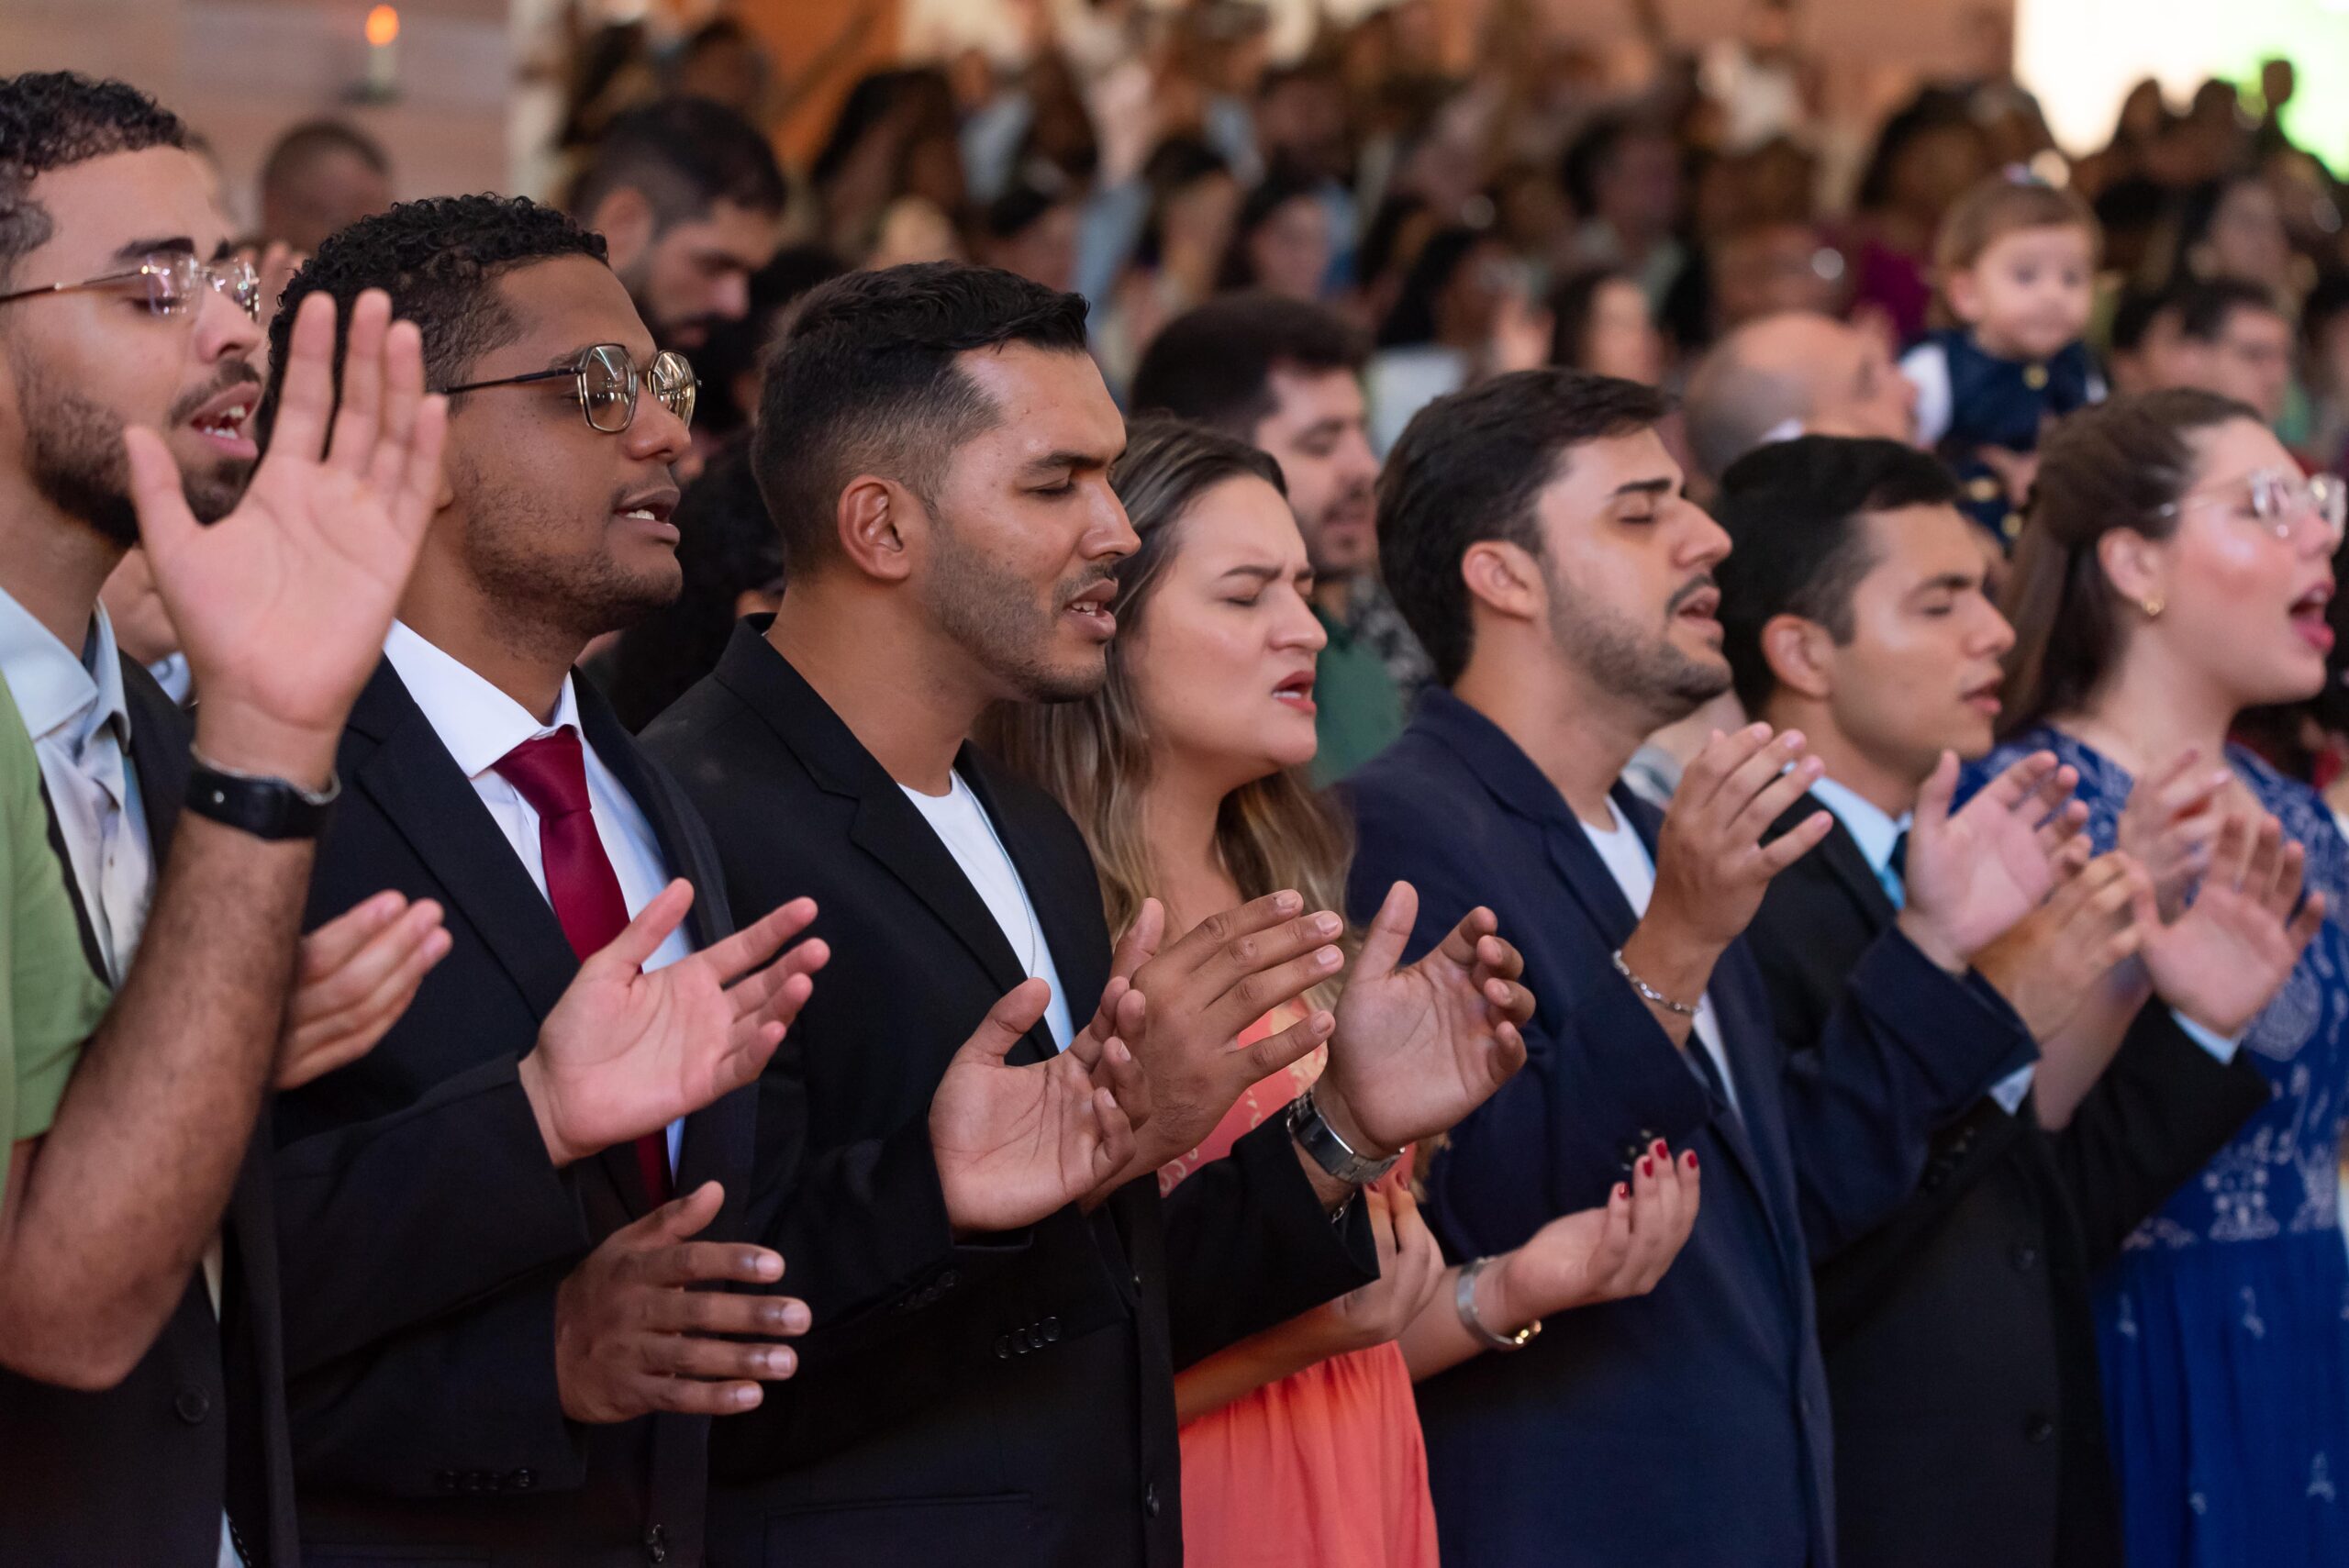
x: 1634, y: 872
x: 962, y: 825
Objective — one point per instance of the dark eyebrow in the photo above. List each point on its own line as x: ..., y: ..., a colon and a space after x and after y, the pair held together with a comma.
x: 1080, y: 460
x: 1658, y: 487
x: 1261, y: 573
x: 138, y: 250
x: 1950, y: 583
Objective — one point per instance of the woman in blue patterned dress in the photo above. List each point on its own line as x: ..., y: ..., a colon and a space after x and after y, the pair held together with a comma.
x: 2174, y: 572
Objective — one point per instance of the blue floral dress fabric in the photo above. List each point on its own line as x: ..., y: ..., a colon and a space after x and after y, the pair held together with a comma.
x: 2224, y: 1326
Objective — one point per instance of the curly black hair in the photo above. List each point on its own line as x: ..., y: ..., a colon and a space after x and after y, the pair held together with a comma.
x: 438, y: 260
x: 53, y: 119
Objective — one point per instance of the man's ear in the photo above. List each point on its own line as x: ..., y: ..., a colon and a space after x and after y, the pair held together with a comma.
x: 1504, y: 579
x: 1800, y: 654
x: 875, y: 522
x: 625, y: 219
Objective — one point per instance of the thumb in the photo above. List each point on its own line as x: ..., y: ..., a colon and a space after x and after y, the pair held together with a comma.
x: 1932, y: 801
x: 164, y: 521
x: 682, y: 1217
x: 1010, y: 1019
x: 1389, y: 933
x: 1142, y: 939
x: 644, y: 936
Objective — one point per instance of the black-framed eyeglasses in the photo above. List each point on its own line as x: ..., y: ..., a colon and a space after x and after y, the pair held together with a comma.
x: 172, y: 280
x: 604, y: 380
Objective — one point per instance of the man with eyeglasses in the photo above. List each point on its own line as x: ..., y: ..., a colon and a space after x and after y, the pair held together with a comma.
x: 141, y: 1416
x: 523, y: 1371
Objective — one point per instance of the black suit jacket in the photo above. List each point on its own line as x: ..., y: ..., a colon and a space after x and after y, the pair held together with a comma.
x: 424, y: 1231
x: 1961, y: 1350
x: 139, y: 1473
x: 1008, y: 1402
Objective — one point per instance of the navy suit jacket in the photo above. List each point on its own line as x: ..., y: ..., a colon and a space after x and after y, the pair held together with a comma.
x: 1690, y: 1426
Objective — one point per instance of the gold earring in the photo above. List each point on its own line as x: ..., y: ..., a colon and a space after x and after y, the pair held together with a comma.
x: 2153, y: 608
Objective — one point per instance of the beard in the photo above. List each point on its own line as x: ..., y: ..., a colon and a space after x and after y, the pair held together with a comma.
x: 522, y: 551
x: 1647, y: 670
x: 993, y: 616
x: 73, y: 456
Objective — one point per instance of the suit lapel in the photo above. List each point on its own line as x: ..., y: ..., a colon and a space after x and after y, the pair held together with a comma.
x: 1842, y: 855
x: 1074, y: 926
x: 414, y: 783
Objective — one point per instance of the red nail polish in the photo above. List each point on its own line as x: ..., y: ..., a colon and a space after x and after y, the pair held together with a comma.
x: 1622, y: 1191
x: 1647, y: 1167
x: 1692, y: 1159
x: 1658, y: 1149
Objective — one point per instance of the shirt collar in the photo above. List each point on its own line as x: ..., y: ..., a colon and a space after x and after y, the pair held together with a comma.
x: 62, y: 696
x: 478, y: 723
x: 1875, y: 832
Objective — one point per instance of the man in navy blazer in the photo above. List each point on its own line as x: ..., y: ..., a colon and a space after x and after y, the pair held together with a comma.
x: 1535, y: 535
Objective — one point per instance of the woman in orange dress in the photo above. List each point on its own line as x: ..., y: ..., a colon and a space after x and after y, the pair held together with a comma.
x: 1301, y: 1445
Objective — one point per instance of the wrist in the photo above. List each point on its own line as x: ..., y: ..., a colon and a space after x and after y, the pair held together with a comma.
x: 238, y: 736
x: 1927, y: 937
x: 1331, y: 1100
x: 533, y: 1079
x: 1500, y: 1295
x: 1670, y: 960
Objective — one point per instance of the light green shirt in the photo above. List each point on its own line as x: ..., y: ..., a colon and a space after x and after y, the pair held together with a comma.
x: 50, y: 1001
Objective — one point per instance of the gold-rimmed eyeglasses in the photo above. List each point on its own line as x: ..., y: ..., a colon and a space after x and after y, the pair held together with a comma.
x: 172, y: 280
x: 604, y: 379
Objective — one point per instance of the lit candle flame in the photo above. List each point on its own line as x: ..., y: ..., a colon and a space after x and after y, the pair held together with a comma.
x: 382, y: 26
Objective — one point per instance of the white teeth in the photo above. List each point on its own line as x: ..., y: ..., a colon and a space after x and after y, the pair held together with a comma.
x: 643, y: 512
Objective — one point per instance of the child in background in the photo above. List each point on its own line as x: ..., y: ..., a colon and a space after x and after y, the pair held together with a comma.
x: 2016, y: 263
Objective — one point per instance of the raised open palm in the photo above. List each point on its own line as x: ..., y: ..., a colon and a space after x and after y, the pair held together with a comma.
x: 1972, y: 874
x: 1417, y: 1049
x: 626, y: 1052
x: 283, y: 604
x: 1014, y: 1145
x: 2231, y: 952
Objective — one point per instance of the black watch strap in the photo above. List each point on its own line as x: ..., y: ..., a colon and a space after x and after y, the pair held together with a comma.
x: 266, y: 807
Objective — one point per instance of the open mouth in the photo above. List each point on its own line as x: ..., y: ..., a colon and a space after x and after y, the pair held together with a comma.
x: 1090, y: 610
x: 1701, y: 609
x: 1296, y: 690
x: 222, y: 422
x: 2309, y: 617
x: 652, y: 511
x: 1982, y: 698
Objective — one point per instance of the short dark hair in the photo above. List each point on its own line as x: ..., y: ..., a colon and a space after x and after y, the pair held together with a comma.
x: 1589, y: 154
x: 439, y: 260
x: 302, y: 145
x: 2132, y: 317
x: 1794, y: 512
x: 2205, y: 305
x: 53, y: 119
x: 864, y: 379
x: 1214, y: 362
x: 685, y: 156
x: 1468, y: 468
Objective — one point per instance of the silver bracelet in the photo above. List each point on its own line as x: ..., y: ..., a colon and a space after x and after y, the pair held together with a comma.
x: 1650, y: 991
x: 1464, y: 1300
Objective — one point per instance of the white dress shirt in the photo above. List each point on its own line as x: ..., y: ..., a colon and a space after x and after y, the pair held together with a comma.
x: 479, y: 725
x: 1635, y: 870
x: 963, y: 826
x: 75, y: 712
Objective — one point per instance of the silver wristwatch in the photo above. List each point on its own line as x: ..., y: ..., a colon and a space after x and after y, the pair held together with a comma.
x: 1336, y: 1157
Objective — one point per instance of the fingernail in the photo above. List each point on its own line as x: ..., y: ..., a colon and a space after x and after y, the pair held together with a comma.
x: 1692, y: 1159
x: 1657, y: 1149
x: 1647, y: 1167
x: 742, y: 1398
x: 1328, y: 958
x: 797, y: 1317
x: 1325, y: 925
x: 1622, y: 1191
x: 775, y: 1362
x: 1117, y: 1052
x: 1287, y: 902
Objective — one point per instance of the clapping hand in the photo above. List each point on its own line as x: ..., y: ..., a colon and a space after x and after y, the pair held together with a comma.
x: 1711, y: 867
x: 1014, y: 1145
x: 625, y: 1052
x: 2049, y: 965
x: 1972, y: 875
x: 282, y: 605
x: 1411, y: 1267
x: 355, y: 976
x: 2226, y: 957
x: 634, y: 1332
x: 1417, y: 1049
x: 2168, y: 825
x: 1604, y: 1254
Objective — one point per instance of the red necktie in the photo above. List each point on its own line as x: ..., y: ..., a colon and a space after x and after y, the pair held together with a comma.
x: 550, y: 773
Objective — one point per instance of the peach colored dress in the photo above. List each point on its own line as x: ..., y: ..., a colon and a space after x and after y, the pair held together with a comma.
x: 1324, y: 1469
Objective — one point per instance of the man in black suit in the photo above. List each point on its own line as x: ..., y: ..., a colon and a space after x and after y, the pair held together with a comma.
x: 141, y: 1413
x: 1535, y: 535
x: 515, y: 1364
x: 1960, y: 1349
x: 934, y: 445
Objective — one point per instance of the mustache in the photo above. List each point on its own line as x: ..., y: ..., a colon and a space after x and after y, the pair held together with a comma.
x: 236, y: 373
x: 1689, y: 590
x: 1071, y: 587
